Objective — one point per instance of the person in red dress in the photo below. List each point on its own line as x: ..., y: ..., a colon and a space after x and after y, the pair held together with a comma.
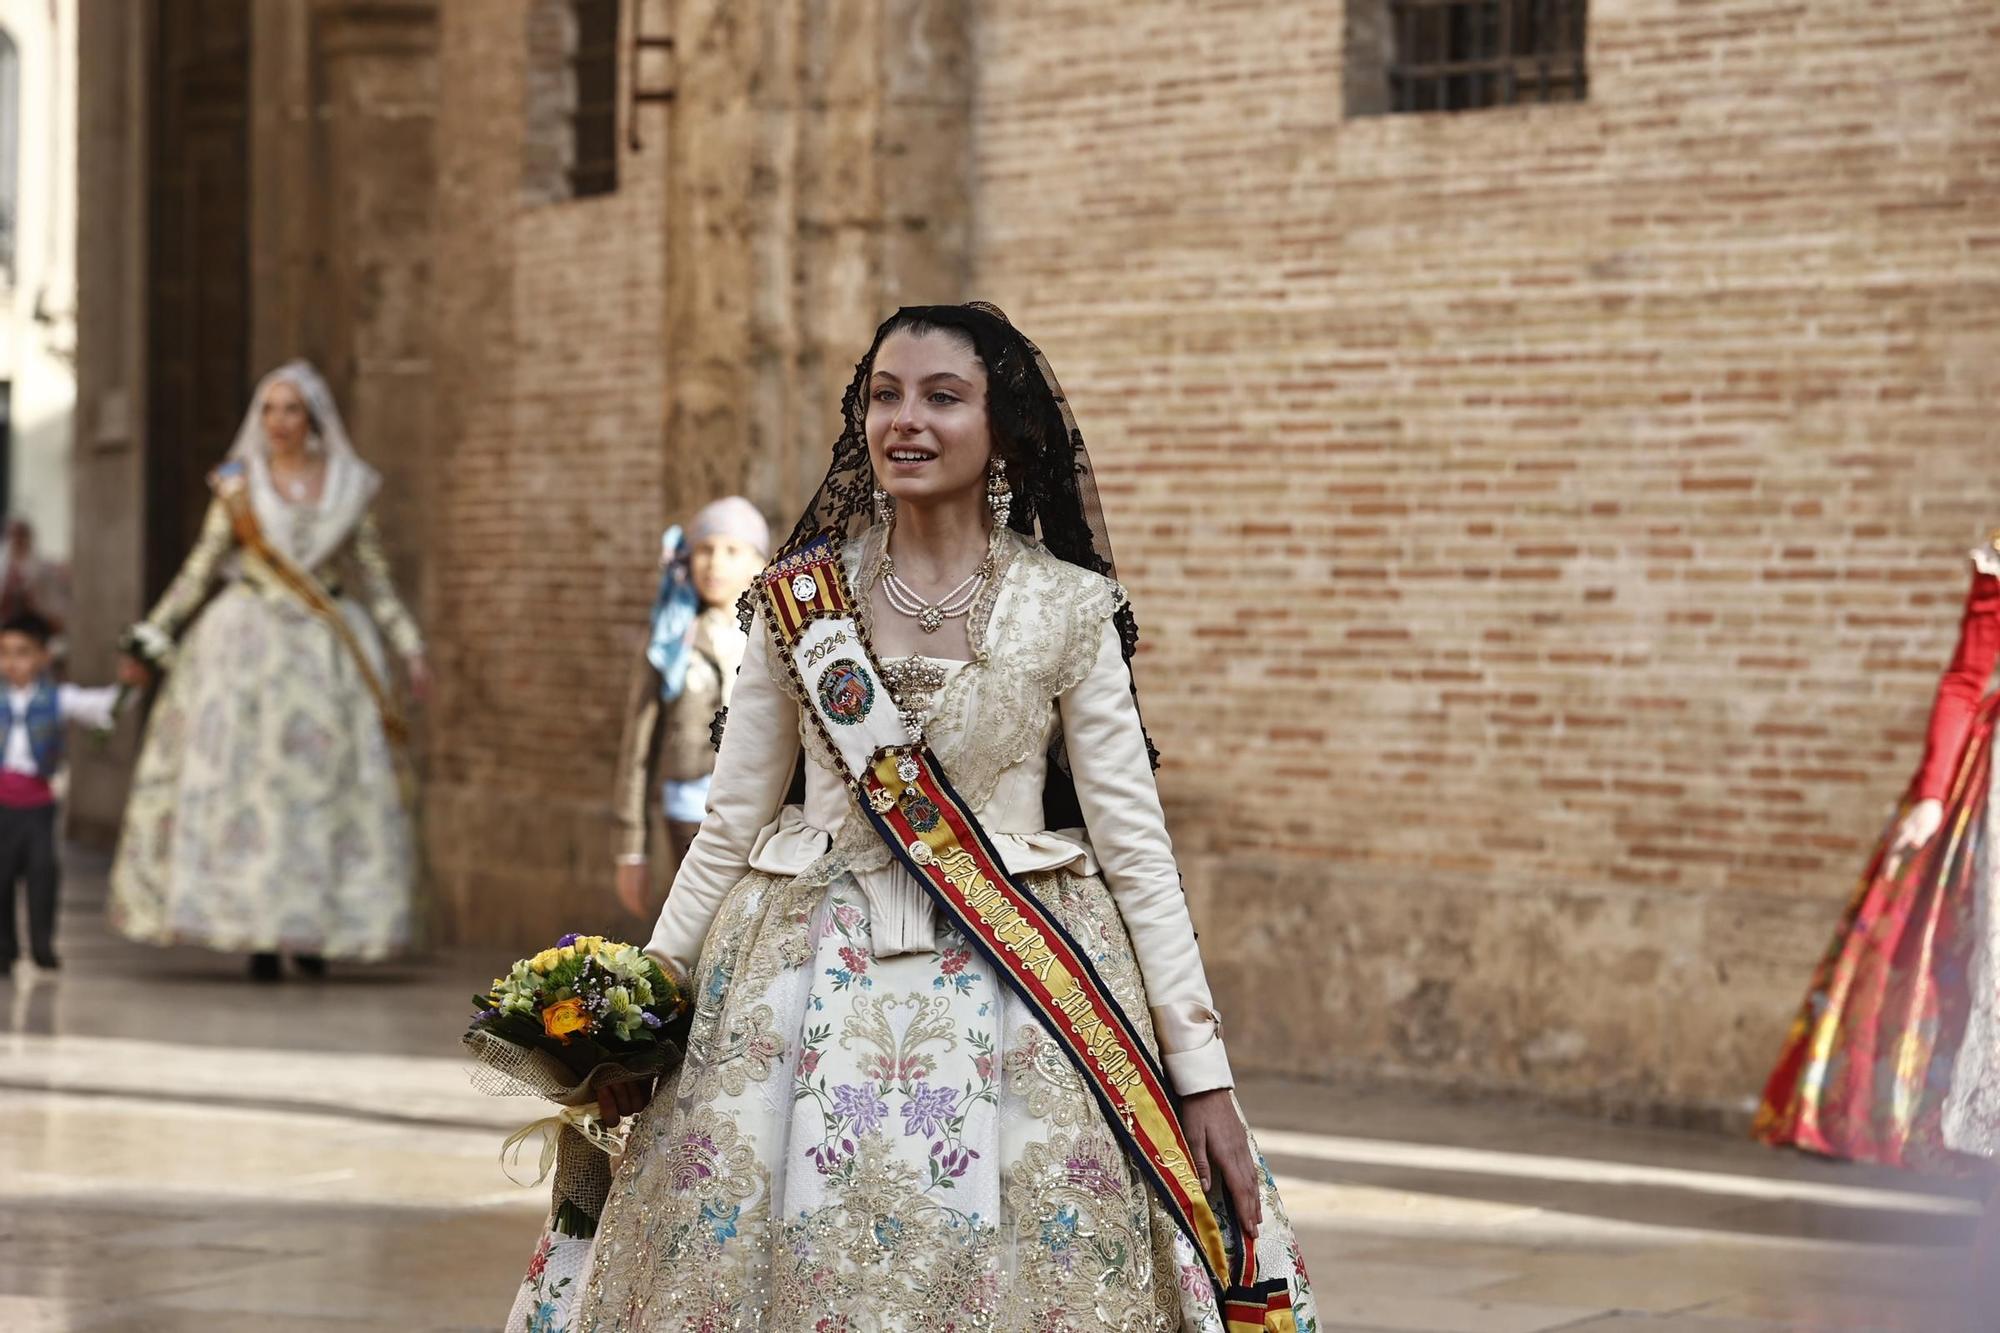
x: 1894, y: 1057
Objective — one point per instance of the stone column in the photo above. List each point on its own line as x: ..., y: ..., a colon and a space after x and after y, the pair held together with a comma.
x: 343, y: 149
x: 115, y: 64
x: 381, y: 92
x: 822, y: 176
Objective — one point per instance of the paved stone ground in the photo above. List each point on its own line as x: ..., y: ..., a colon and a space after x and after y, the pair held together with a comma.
x: 182, y: 1151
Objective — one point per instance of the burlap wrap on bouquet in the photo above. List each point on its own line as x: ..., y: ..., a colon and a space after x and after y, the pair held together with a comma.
x: 575, y: 1144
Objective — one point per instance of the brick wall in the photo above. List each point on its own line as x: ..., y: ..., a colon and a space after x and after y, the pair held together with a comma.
x: 1547, y: 523
x: 606, y: 365
x: 550, y: 473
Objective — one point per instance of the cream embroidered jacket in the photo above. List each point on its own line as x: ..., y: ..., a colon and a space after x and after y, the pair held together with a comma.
x: 356, y: 561
x: 1046, y: 662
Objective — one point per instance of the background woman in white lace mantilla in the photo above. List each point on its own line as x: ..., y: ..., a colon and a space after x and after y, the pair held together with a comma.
x: 871, y: 1131
x: 266, y: 812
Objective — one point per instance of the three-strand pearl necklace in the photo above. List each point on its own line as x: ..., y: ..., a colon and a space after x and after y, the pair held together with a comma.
x: 930, y: 616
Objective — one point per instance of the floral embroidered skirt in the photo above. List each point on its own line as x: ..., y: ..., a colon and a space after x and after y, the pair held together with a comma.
x: 265, y: 812
x: 1895, y: 1056
x: 876, y: 1144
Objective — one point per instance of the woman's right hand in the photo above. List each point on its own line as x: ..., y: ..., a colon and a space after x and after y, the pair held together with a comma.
x: 615, y: 1101
x: 1916, y: 829
x: 635, y: 885
x: 1220, y: 1145
x: 133, y: 672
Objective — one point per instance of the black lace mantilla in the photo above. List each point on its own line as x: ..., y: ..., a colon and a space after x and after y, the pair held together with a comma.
x: 1048, y: 466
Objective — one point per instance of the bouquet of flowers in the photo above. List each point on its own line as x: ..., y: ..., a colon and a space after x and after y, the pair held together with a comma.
x: 561, y: 1025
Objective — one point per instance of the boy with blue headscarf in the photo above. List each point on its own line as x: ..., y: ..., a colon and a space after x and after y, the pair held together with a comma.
x: 693, y: 650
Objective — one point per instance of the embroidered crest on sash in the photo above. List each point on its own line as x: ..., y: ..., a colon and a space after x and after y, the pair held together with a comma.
x: 922, y: 813
x: 846, y: 692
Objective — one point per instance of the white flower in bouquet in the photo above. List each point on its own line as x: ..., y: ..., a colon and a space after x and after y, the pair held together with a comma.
x: 621, y: 1014
x: 517, y: 992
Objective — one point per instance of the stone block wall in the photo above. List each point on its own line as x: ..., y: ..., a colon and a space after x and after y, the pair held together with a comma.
x: 1547, y: 523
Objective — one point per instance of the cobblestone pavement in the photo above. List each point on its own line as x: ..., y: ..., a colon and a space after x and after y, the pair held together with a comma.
x: 182, y: 1151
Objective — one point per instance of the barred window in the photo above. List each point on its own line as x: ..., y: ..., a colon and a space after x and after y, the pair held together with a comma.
x: 569, y: 144
x: 1464, y: 55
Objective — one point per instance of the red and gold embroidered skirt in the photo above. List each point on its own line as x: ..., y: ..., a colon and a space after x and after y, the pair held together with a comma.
x: 1868, y: 1063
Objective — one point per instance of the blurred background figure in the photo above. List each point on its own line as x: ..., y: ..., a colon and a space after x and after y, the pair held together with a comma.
x: 28, y: 583
x: 1894, y: 1057
x: 268, y: 813
x: 684, y: 679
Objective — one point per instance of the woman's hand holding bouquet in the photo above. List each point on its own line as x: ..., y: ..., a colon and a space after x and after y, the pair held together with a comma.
x: 588, y: 1024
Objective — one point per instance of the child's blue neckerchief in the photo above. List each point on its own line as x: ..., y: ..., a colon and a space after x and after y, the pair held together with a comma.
x: 675, y: 607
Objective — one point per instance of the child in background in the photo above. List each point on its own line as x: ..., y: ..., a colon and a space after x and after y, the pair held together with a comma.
x: 34, y: 710
x: 689, y: 667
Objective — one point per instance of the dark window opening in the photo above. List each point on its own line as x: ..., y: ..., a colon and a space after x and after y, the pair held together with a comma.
x: 1465, y: 55
x: 594, y: 114
x: 198, y: 270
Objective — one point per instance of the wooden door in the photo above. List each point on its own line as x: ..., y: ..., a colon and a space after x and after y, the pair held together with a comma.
x: 199, y: 297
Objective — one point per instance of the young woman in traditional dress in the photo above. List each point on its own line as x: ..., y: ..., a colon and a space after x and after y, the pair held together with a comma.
x: 1895, y: 1056
x: 953, y: 1063
x: 694, y: 648
x: 269, y: 812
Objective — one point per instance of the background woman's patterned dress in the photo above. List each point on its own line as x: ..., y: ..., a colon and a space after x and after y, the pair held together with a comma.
x: 265, y: 812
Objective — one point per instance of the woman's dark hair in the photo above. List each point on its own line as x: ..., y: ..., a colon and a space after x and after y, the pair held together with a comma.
x: 1055, y: 495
